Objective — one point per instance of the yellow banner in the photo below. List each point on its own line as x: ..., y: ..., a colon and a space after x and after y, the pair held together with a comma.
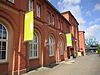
x: 69, y: 39
x: 28, y: 26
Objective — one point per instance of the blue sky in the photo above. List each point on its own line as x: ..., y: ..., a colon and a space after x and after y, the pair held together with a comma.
x: 87, y: 13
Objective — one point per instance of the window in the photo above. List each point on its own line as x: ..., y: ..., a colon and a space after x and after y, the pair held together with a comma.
x: 51, y: 46
x: 33, y: 47
x: 61, y: 47
x: 30, y: 5
x: 3, y: 43
x: 61, y: 26
x: 53, y: 20
x: 58, y: 23
x: 12, y: 1
x: 38, y: 10
x: 48, y: 15
x: 81, y: 48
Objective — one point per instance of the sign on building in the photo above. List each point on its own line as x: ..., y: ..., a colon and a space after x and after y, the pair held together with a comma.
x: 69, y: 39
x: 28, y: 26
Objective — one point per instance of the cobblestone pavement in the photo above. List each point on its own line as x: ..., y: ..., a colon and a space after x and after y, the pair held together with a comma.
x: 85, y: 65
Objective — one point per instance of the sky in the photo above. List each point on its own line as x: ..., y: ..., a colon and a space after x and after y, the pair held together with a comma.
x: 87, y: 13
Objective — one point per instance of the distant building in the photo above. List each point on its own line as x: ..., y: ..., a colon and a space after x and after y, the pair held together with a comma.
x: 82, y: 43
x: 93, y: 48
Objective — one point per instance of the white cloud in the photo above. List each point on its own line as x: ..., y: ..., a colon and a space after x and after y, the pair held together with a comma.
x: 72, y: 1
x: 73, y: 6
x: 88, y: 13
x: 93, y: 31
x: 97, y: 7
x: 95, y: 21
x: 82, y: 28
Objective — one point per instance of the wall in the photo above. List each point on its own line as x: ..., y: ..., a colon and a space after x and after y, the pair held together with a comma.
x: 82, y: 42
x: 12, y: 16
x: 74, y: 30
x: 45, y: 30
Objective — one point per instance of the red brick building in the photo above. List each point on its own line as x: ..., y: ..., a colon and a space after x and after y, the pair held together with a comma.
x: 50, y: 29
x: 74, y: 31
x: 82, y: 42
x: 49, y: 44
x: 13, y: 52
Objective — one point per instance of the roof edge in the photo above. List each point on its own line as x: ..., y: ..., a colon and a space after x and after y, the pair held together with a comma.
x: 82, y: 31
x: 71, y: 15
x: 57, y: 11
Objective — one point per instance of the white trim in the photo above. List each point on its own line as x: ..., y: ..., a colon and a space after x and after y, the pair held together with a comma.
x: 53, y: 19
x: 2, y: 61
x: 12, y: 1
x: 61, y: 47
x: 5, y: 40
x: 33, y: 50
x: 38, y: 10
x: 51, y: 46
x: 49, y: 19
x: 30, y: 5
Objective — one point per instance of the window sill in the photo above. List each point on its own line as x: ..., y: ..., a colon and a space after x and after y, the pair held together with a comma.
x: 61, y: 55
x: 38, y: 17
x: 3, y: 63
x: 33, y: 58
x: 11, y: 2
x: 51, y: 56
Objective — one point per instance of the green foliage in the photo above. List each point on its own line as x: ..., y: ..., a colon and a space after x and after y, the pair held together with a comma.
x: 98, y: 48
x: 91, y: 41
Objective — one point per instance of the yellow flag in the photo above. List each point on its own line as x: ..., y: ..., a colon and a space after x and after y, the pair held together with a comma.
x: 28, y: 26
x: 69, y: 39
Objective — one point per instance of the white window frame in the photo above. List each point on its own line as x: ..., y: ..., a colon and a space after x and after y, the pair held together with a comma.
x: 5, y: 40
x: 38, y: 10
x: 30, y: 5
x: 49, y: 19
x: 53, y: 19
x: 32, y: 51
x: 61, y: 27
x: 59, y: 23
x: 12, y: 1
x: 51, y: 46
x: 61, y: 47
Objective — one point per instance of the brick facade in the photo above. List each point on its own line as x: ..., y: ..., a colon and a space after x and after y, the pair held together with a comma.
x: 12, y: 17
x: 82, y: 42
x: 74, y: 31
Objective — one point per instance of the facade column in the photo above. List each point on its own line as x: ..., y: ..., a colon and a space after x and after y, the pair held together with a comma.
x: 22, y: 47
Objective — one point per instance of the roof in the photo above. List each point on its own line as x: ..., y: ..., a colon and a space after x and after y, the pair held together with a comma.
x: 82, y: 31
x: 57, y: 11
x: 93, y: 46
x: 71, y: 15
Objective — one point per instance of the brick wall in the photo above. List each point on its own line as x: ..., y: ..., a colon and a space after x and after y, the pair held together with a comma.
x: 82, y: 42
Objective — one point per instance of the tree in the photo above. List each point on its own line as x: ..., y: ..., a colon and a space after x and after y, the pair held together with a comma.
x: 91, y: 43
x: 98, y: 48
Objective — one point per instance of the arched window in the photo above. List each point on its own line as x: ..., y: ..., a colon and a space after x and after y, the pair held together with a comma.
x: 61, y: 47
x: 33, y: 47
x: 51, y: 46
x: 3, y: 43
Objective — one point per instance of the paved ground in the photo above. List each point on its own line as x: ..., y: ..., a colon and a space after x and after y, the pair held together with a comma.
x: 87, y: 65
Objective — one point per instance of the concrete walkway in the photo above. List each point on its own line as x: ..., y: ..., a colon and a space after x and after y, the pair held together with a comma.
x: 87, y: 65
